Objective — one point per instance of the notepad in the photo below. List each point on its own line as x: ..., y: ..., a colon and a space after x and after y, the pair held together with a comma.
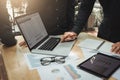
x: 98, y: 45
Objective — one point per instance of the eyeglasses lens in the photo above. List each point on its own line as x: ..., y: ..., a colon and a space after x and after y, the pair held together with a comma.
x: 47, y: 60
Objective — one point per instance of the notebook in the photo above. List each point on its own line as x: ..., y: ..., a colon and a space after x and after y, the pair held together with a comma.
x: 101, y: 65
x: 35, y: 35
x: 97, y: 45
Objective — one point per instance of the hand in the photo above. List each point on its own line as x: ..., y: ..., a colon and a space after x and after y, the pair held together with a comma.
x: 68, y: 36
x: 116, y: 48
x: 23, y: 43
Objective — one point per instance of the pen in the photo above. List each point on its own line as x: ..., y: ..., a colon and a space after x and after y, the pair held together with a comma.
x: 100, y: 45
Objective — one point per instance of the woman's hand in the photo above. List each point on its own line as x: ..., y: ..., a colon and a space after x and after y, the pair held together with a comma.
x: 116, y: 48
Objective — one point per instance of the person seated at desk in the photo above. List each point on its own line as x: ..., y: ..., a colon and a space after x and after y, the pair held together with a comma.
x: 57, y: 15
x: 109, y: 28
x: 6, y: 35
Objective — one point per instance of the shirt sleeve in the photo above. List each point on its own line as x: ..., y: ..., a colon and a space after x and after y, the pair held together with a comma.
x: 84, y: 12
x: 70, y: 12
x: 4, y: 16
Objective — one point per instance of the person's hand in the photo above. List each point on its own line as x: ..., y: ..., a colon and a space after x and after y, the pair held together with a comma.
x: 23, y: 43
x: 68, y: 36
x: 116, y: 48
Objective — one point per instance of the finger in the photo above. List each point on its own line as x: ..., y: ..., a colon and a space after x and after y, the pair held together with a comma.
x: 68, y: 36
x: 68, y: 39
x: 116, y: 49
x: 73, y: 34
x: 65, y: 36
x: 71, y: 38
x: 74, y: 37
x: 113, y: 48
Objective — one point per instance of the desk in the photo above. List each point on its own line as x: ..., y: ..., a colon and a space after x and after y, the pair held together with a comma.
x: 16, y: 65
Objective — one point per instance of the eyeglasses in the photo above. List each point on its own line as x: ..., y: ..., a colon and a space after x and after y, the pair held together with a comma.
x: 47, y: 60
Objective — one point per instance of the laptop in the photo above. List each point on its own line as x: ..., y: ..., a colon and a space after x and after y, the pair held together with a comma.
x: 37, y: 38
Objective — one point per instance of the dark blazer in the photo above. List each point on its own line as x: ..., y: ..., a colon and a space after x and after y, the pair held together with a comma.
x: 109, y: 28
x: 57, y: 15
x: 6, y: 35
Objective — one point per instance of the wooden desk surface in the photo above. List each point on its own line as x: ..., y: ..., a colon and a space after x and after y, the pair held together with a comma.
x: 16, y: 65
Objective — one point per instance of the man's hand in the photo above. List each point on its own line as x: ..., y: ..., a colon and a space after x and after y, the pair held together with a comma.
x: 68, y: 36
x: 116, y: 48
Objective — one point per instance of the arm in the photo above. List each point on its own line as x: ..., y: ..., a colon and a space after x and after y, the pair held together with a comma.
x: 83, y: 15
x: 6, y: 35
x: 70, y: 12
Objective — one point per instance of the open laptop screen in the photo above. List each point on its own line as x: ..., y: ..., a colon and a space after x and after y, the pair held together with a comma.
x: 32, y: 28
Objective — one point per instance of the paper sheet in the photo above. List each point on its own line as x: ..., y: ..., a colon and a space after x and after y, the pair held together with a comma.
x: 65, y: 72
x: 116, y: 75
x: 88, y: 52
x: 55, y: 73
x: 90, y: 43
x: 33, y: 60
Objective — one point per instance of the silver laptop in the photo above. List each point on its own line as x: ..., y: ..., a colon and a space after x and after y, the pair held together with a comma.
x: 37, y: 38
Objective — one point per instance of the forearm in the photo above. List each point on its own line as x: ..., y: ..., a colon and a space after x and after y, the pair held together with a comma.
x: 83, y: 15
x: 6, y: 35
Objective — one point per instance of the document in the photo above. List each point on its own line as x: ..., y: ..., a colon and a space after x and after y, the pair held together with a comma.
x: 64, y: 72
x: 96, y: 45
x: 58, y: 72
x: 33, y: 60
x: 90, y: 44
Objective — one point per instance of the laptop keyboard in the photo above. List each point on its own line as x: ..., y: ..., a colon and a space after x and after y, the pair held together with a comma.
x: 50, y: 44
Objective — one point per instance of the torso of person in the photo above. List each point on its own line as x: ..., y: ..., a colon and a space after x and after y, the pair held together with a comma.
x: 109, y: 28
x: 57, y: 15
